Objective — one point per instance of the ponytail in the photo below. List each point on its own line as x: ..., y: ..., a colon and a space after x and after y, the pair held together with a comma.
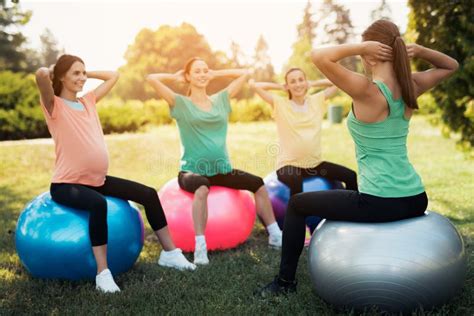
x: 401, y: 66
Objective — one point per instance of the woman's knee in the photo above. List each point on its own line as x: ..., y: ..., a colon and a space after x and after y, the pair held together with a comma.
x: 289, y: 176
x: 99, y: 205
x: 150, y: 194
x: 201, y: 193
x: 295, y: 203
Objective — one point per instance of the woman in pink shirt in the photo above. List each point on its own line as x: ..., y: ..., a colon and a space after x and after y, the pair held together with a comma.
x: 80, y: 177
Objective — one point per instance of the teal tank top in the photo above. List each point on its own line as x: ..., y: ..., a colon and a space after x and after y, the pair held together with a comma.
x: 203, y: 135
x: 381, y: 152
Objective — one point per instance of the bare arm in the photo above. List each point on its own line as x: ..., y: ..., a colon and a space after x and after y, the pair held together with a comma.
x: 235, y: 86
x: 157, y: 82
x: 354, y: 84
x: 320, y: 83
x: 444, y: 66
x: 262, y: 87
x: 109, y: 77
x: 45, y: 86
x: 331, y: 89
x: 330, y: 92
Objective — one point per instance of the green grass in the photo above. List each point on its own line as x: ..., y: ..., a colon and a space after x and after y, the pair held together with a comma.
x: 226, y: 285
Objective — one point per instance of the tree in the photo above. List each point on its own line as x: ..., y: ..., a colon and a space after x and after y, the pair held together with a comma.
x: 165, y: 50
x: 263, y: 69
x: 301, y: 58
x: 383, y: 11
x: 301, y: 55
x: 237, y: 57
x: 335, y: 21
x: 11, y: 57
x: 49, y: 48
x: 447, y: 26
x: 307, y: 26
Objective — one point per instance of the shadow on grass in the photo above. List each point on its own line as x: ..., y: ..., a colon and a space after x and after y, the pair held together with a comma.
x: 12, y: 203
x: 454, y: 215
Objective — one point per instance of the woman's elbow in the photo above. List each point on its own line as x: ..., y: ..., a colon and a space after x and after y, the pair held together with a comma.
x: 316, y: 57
x: 149, y: 78
x: 115, y: 76
x: 42, y: 73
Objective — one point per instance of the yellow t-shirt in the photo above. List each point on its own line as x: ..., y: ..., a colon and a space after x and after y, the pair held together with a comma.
x: 299, y: 130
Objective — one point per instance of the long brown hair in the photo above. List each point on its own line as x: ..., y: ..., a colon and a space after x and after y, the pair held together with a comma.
x: 60, y: 68
x: 187, y: 69
x: 286, y: 77
x: 387, y: 32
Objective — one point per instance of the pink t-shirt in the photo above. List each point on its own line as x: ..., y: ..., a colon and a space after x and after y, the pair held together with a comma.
x: 81, y: 153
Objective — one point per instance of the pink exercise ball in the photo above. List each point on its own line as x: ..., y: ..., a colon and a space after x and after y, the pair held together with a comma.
x: 231, y: 216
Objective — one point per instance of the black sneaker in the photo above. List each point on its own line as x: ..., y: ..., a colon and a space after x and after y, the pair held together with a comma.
x: 276, y: 287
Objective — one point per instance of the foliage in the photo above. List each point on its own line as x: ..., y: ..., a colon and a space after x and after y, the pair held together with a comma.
x: 12, y: 57
x: 301, y: 55
x: 262, y: 65
x: 447, y: 26
x: 383, y: 11
x: 301, y: 58
x: 49, y: 48
x: 118, y: 116
x: 165, y: 50
x: 335, y: 22
x: 20, y: 113
x: 250, y: 110
x: 307, y: 26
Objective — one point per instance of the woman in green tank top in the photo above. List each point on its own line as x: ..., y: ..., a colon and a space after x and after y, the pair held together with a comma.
x: 389, y: 187
x: 202, y: 122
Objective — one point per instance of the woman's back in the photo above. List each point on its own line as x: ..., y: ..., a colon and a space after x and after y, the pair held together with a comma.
x: 381, y: 151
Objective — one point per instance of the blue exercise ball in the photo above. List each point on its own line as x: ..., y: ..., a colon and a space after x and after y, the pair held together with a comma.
x: 395, y: 266
x: 279, y: 195
x: 53, y: 242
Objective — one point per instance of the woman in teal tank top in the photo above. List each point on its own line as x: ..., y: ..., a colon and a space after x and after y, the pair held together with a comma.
x: 202, y: 122
x: 389, y: 187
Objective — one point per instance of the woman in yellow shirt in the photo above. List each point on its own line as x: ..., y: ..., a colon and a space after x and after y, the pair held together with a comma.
x: 299, y: 120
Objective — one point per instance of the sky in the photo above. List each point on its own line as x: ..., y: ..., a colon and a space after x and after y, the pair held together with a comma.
x: 100, y: 31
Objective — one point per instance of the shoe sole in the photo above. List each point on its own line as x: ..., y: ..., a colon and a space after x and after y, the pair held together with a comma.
x: 175, y: 267
x: 201, y: 263
x: 107, y: 292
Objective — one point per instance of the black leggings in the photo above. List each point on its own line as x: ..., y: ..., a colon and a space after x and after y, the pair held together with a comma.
x: 293, y: 177
x: 92, y: 199
x: 236, y: 179
x: 340, y: 205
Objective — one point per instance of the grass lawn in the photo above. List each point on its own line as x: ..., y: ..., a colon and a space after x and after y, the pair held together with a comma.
x: 226, y: 285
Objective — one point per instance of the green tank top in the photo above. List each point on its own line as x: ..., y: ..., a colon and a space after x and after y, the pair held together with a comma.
x: 381, y: 152
x: 203, y: 135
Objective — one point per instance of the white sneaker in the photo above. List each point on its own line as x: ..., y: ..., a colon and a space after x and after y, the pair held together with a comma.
x: 175, y: 259
x: 200, y: 255
x: 275, y: 240
x: 104, y: 282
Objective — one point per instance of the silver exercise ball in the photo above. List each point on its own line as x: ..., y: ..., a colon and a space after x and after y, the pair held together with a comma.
x: 395, y: 266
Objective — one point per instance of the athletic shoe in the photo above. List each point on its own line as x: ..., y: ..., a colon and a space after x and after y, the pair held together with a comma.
x: 276, y: 287
x: 200, y: 255
x: 104, y: 282
x: 175, y: 259
x: 275, y: 240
